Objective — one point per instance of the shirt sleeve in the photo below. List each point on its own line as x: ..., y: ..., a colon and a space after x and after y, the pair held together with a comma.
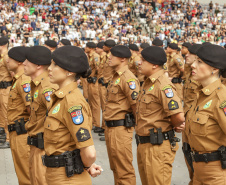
x: 179, y: 62
x: 24, y: 89
x: 220, y: 116
x: 78, y: 120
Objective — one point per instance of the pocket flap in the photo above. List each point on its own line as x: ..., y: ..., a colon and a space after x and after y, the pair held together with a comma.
x: 200, y: 118
x: 53, y: 125
x: 114, y: 90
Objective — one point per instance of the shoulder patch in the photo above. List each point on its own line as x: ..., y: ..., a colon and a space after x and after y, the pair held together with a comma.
x: 207, y: 105
x: 47, y: 93
x: 117, y: 81
x: 134, y: 95
x: 56, y: 109
x: 151, y: 88
x: 83, y: 135
x: 28, y: 97
x: 169, y: 93
x: 26, y: 86
x: 173, y: 105
x: 166, y: 87
x: 223, y: 106
x: 179, y: 61
x: 76, y: 114
x: 36, y: 94
x: 132, y: 84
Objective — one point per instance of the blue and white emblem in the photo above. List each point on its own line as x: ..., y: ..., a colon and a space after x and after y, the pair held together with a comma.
x: 169, y: 93
x: 76, y: 114
x: 27, y: 87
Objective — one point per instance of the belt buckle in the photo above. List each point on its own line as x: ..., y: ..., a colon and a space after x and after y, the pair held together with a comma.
x: 205, y: 158
x: 43, y: 160
x: 112, y: 123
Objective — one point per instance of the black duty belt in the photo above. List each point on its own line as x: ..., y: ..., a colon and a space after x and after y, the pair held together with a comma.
x: 36, y: 141
x: 115, y: 123
x: 176, y: 80
x: 32, y: 141
x: 12, y: 127
x: 53, y: 161
x: 4, y: 84
x: 146, y: 139
x: 207, y: 157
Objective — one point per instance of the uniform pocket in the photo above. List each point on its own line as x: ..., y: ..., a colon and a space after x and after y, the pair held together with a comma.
x: 51, y: 133
x: 34, y: 108
x: 198, y: 126
x: 12, y: 98
x: 148, y: 104
x: 113, y: 94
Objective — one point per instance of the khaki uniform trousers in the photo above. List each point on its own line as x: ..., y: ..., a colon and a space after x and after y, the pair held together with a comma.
x: 94, y: 102
x: 155, y: 163
x: 4, y: 95
x: 102, y: 93
x: 119, y: 147
x: 179, y: 89
x: 185, y: 139
x: 20, y: 153
x: 85, y: 87
x: 209, y: 173
x: 36, y: 168
x: 57, y: 176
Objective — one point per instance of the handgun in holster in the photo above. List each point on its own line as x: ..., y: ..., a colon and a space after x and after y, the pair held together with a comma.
x: 156, y: 138
x: 101, y: 81
x: 20, y: 126
x: 40, y: 140
x: 173, y: 139
x: 78, y: 164
x: 222, y: 151
x: 187, y: 153
x: 94, y: 79
x: 129, y: 120
x: 69, y: 164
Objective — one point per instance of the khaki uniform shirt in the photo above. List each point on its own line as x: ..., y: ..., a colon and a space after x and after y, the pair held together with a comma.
x: 4, y: 73
x: 157, y: 101
x: 94, y: 60
x: 132, y: 65
x: 41, y: 89
x: 187, y: 71
x: 101, y: 65
x: 19, y: 98
x: 108, y: 70
x: 122, y: 92
x: 175, y: 63
x: 69, y: 122
x: 206, y: 119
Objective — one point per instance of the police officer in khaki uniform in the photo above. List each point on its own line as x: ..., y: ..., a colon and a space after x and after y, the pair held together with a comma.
x: 189, y: 96
x: 205, y: 120
x: 93, y: 91
x: 5, y: 84
x: 51, y: 45
x: 132, y: 61
x: 69, y: 149
x: 120, y: 107
x: 37, y: 61
x: 18, y: 113
x: 64, y: 42
x: 184, y: 52
x: 175, y: 66
x: 101, y: 85
x: 158, y: 111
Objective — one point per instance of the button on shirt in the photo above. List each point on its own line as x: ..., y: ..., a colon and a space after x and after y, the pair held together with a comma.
x: 69, y: 122
x: 157, y: 101
x: 206, y: 119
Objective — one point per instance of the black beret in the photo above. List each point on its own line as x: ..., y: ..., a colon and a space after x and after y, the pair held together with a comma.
x: 39, y: 55
x: 51, y: 43
x: 121, y: 51
x: 173, y: 46
x: 65, y: 42
x: 110, y: 43
x: 194, y: 48
x: 154, y: 55
x: 91, y: 45
x: 206, y: 43
x: 225, y: 46
x: 144, y: 45
x: 213, y: 55
x: 71, y: 58
x: 3, y: 41
x: 133, y: 47
x: 18, y: 53
x: 157, y: 42
x: 100, y: 44
x: 187, y: 44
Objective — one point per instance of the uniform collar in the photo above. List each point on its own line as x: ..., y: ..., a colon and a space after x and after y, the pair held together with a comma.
x: 209, y: 89
x: 61, y: 93
x: 18, y: 75
x: 122, y: 70
x: 40, y: 78
x: 156, y: 75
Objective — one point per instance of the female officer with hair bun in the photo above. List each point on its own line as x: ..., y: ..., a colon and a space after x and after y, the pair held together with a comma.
x: 69, y: 149
x: 206, y: 118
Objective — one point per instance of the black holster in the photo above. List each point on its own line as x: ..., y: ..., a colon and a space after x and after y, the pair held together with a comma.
x: 156, y: 138
x: 176, y: 80
x: 187, y: 153
x: 129, y: 120
x: 2, y: 135
x: 101, y: 81
x: 92, y: 79
x: 20, y: 126
x: 222, y: 151
x: 40, y: 140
